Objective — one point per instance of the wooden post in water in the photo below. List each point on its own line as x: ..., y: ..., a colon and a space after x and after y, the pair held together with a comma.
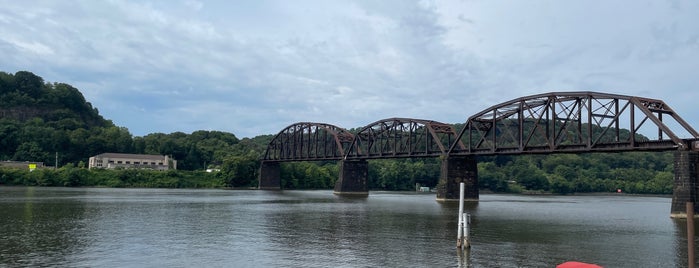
x: 467, y: 229
x: 690, y: 234
x: 462, y: 239
x: 459, y: 229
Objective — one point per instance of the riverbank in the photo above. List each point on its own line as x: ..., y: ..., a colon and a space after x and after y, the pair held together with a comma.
x: 144, y: 178
x: 543, y: 193
x: 125, y: 178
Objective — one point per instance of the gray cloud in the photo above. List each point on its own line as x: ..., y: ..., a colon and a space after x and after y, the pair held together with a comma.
x: 252, y: 68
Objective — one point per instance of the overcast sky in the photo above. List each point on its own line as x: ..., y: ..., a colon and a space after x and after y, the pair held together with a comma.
x: 255, y: 67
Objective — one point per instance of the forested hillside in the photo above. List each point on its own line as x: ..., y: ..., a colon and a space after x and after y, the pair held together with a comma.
x: 39, y: 120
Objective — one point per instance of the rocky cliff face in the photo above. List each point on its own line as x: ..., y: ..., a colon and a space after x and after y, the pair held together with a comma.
x: 23, y: 113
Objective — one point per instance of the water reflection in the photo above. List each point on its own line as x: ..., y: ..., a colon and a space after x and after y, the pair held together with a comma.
x: 540, y: 231
x: 218, y: 228
x: 355, y: 232
x: 464, y: 257
x: 680, y: 244
x: 34, y: 232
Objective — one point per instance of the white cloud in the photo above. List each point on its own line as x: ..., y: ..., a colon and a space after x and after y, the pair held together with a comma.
x: 31, y: 47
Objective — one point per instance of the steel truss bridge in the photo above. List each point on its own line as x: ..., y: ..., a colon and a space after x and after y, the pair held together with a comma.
x: 559, y: 122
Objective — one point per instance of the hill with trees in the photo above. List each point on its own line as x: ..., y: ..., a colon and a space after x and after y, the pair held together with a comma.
x: 39, y: 120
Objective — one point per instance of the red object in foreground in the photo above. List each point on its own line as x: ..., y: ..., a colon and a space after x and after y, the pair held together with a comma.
x: 575, y: 264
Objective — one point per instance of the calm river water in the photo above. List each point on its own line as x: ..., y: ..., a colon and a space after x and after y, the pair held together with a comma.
x: 86, y: 227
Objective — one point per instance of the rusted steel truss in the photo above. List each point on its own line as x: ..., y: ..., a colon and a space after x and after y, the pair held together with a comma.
x: 309, y: 142
x: 572, y: 122
x: 563, y: 122
x: 402, y: 137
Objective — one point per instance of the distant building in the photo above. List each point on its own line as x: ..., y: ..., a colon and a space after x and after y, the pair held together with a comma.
x: 22, y: 164
x: 149, y: 161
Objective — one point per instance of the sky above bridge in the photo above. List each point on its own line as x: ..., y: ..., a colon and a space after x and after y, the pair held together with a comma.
x: 255, y: 67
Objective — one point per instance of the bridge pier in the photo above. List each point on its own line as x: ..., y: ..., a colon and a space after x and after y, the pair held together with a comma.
x: 269, y: 176
x: 685, y: 185
x: 353, y: 178
x: 455, y: 170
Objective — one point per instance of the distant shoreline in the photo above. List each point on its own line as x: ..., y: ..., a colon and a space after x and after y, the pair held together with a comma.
x: 482, y: 191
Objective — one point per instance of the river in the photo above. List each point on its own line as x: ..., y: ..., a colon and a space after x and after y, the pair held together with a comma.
x: 105, y: 227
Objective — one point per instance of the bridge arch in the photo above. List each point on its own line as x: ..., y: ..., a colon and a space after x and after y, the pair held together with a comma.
x: 307, y: 141
x: 402, y: 137
x: 572, y: 122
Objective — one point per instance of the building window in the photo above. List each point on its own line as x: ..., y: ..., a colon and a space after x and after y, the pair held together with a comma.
x: 160, y: 163
x: 128, y: 162
x: 119, y: 162
x: 136, y: 163
x: 111, y: 161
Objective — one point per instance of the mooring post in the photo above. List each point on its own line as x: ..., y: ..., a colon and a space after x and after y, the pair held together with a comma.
x: 690, y: 234
x: 462, y: 239
x: 460, y: 230
x: 467, y: 229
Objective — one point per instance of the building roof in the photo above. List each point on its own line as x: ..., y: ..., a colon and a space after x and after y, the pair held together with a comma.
x: 132, y: 156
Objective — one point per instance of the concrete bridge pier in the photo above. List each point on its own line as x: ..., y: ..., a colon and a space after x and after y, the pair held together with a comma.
x: 269, y: 176
x: 455, y: 170
x: 353, y: 178
x: 685, y: 186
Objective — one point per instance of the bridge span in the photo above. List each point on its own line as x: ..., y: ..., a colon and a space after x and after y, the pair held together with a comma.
x: 558, y: 122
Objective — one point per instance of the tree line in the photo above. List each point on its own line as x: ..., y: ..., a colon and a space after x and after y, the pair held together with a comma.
x: 630, y: 172
x: 39, y: 120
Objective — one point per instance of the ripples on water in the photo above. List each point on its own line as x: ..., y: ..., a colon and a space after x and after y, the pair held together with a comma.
x: 77, y: 227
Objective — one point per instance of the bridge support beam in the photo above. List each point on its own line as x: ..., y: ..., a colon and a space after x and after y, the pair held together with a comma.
x: 686, y: 164
x: 353, y: 178
x: 455, y: 170
x: 269, y: 176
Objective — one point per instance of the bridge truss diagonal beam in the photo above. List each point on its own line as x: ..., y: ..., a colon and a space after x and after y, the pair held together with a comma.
x: 402, y: 137
x: 307, y: 141
x: 572, y: 122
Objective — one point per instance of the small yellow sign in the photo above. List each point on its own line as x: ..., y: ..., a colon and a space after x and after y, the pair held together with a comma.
x: 32, y: 167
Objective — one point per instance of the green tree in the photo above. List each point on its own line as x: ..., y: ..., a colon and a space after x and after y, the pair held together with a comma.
x: 571, y: 161
x: 492, y: 177
x: 30, y: 151
x: 559, y: 185
x: 528, y: 175
x: 565, y: 172
x: 240, y: 171
x: 9, y: 138
x: 29, y: 84
x: 7, y: 82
